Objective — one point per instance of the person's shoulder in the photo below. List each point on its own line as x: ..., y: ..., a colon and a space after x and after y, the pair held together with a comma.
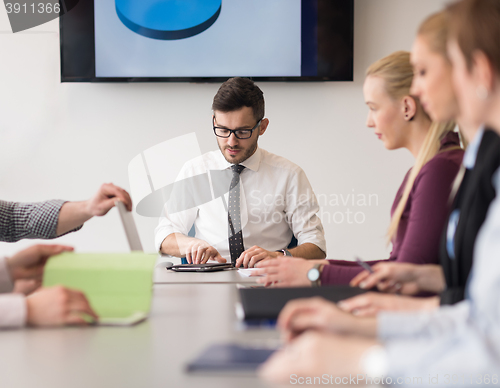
x: 202, y: 163
x: 490, y: 143
x: 443, y: 165
x: 279, y: 162
x: 488, y: 154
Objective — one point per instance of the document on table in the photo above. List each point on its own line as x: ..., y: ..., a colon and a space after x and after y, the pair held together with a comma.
x: 247, y: 272
x: 117, y: 285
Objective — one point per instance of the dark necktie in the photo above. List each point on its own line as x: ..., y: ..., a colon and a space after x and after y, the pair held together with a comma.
x: 236, y: 247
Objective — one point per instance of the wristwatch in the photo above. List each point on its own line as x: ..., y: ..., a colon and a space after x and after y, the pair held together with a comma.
x: 286, y: 252
x: 314, y: 275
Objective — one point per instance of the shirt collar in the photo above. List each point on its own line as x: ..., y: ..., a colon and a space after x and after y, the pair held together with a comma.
x: 252, y: 163
x: 470, y: 155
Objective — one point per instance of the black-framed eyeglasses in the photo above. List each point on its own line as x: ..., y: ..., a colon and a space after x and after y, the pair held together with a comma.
x: 239, y: 133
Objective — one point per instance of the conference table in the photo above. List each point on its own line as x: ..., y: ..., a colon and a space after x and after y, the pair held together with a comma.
x: 189, y: 312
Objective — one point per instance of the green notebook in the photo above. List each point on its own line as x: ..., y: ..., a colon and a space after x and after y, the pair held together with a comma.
x: 117, y: 285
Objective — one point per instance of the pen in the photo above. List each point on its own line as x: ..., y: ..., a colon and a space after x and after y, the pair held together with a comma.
x: 364, y: 265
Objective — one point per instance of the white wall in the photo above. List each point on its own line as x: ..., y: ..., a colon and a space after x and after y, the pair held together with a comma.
x: 63, y: 140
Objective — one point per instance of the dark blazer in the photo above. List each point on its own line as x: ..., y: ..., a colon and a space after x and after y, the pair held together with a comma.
x: 473, y: 199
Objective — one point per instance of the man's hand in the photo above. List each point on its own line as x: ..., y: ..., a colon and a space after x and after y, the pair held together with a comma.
x: 57, y: 306
x: 371, y: 303
x: 199, y: 252
x: 75, y: 214
x: 317, y: 354
x: 29, y: 263
x: 105, y: 199
x: 284, y: 272
x: 404, y: 278
x: 319, y: 314
x: 251, y: 256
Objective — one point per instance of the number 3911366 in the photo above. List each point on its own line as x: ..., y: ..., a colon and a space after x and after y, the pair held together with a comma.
x: 33, y: 8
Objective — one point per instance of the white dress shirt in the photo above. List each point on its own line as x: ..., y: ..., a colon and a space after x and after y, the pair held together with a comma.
x: 463, y: 339
x: 277, y: 202
x: 12, y: 306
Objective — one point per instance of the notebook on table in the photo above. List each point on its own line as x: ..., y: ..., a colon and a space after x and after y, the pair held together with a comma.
x: 117, y: 285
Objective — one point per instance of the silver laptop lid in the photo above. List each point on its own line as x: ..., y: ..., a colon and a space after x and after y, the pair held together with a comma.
x: 130, y: 229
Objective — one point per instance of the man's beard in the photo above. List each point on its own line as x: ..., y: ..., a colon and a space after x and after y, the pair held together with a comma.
x: 240, y: 158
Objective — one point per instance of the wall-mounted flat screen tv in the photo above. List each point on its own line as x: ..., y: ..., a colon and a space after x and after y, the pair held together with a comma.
x: 207, y: 40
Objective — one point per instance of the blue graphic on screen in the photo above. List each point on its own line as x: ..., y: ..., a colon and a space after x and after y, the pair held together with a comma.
x: 168, y: 19
x: 249, y: 38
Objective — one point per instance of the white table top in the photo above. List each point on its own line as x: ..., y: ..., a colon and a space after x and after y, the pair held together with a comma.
x: 185, y: 319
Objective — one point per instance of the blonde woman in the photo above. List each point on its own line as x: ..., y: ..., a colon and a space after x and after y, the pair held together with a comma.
x: 420, y: 207
x: 456, y: 344
x: 472, y: 198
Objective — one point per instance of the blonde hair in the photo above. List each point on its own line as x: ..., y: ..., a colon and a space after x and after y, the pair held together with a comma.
x: 397, y: 73
x: 436, y: 29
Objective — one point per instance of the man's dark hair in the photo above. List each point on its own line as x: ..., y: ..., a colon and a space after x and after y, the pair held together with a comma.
x: 238, y: 92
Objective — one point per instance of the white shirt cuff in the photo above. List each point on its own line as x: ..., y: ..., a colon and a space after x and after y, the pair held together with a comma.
x: 13, y: 311
x: 6, y: 283
x: 411, y: 325
x: 375, y: 361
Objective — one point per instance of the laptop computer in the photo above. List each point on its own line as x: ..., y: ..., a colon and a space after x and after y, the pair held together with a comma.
x: 128, y: 223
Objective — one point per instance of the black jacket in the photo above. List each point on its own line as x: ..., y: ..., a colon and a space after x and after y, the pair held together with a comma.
x: 473, y: 199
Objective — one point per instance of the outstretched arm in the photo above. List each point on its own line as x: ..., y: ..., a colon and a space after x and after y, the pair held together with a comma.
x: 74, y: 214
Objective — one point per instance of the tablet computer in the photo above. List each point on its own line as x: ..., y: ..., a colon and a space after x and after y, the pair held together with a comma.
x: 207, y: 267
x: 266, y: 303
x: 230, y: 358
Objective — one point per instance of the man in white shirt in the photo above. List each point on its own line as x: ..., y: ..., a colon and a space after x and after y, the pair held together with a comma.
x: 270, y: 199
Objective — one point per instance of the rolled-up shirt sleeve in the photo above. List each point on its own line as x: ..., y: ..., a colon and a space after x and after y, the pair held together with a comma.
x: 29, y: 220
x: 302, y: 211
x: 180, y: 222
x: 175, y: 218
x: 13, y: 311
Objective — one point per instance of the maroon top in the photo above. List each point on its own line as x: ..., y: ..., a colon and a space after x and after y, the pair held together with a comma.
x: 424, y: 217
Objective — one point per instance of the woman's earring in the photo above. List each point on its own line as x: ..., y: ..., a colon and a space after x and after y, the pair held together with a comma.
x: 482, y: 92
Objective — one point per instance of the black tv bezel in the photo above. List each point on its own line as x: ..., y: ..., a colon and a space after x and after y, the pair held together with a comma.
x: 88, y: 37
